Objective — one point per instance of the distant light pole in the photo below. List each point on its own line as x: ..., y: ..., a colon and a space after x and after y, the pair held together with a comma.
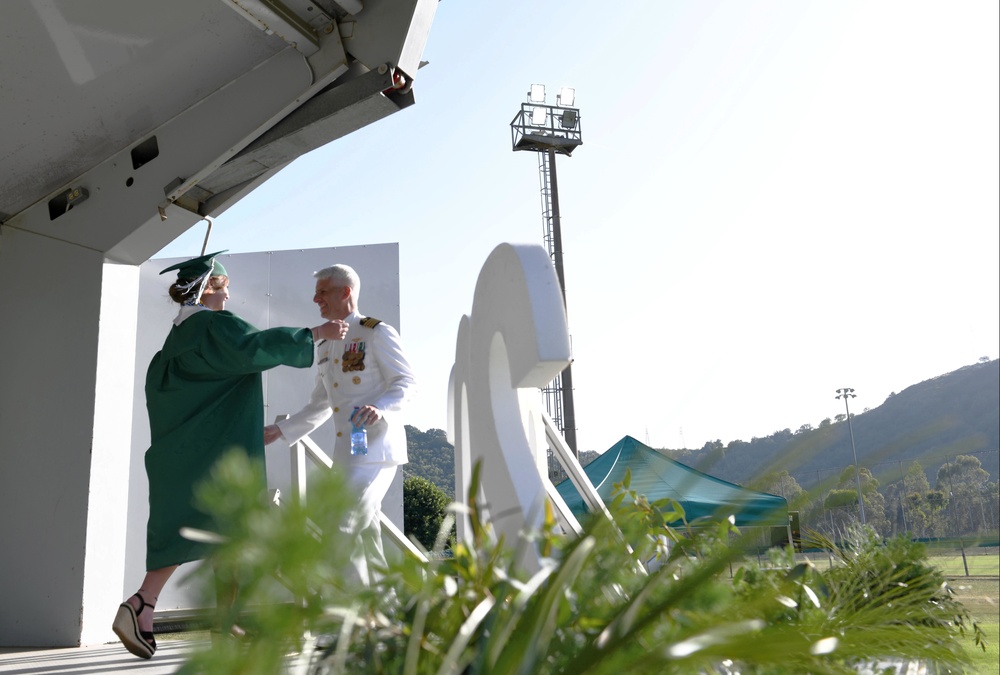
x: 845, y: 394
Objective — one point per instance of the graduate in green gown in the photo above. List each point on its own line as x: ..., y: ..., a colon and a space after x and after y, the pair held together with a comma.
x: 204, y: 397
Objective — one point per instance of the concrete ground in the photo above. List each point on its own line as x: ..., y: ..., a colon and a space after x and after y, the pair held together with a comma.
x: 111, y: 659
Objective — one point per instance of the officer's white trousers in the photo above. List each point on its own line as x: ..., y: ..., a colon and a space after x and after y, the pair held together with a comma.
x: 371, y: 482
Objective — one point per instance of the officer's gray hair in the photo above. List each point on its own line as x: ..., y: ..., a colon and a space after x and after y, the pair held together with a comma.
x: 342, y: 275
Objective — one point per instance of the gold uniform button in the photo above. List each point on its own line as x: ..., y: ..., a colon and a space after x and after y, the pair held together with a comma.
x: 356, y: 380
x: 336, y: 360
x: 336, y: 410
x: 336, y: 384
x: 339, y: 434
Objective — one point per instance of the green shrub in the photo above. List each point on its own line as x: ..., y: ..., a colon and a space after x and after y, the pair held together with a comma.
x: 425, y: 506
x: 590, y: 608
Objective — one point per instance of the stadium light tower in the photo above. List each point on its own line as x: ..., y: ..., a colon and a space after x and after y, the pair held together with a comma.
x: 550, y: 130
x: 845, y: 394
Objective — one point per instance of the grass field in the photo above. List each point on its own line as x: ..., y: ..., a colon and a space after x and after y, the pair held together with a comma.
x: 977, y: 584
x: 981, y: 596
x: 980, y: 562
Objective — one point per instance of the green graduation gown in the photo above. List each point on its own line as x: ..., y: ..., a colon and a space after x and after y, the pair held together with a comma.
x: 204, y: 397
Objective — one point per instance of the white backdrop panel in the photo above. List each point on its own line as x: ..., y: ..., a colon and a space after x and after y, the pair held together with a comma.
x: 273, y: 288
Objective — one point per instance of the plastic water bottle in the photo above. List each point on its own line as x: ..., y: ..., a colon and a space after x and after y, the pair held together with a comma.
x: 359, y: 437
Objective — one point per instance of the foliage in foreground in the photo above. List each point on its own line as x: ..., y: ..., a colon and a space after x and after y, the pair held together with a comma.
x: 589, y: 608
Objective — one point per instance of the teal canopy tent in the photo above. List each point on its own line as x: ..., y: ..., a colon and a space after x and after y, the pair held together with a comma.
x: 657, y: 476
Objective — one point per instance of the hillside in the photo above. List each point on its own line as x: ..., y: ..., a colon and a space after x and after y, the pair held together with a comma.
x: 432, y: 457
x: 957, y: 413
x: 932, y: 422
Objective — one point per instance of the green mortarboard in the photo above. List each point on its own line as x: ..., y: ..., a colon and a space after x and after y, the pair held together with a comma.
x: 197, y: 267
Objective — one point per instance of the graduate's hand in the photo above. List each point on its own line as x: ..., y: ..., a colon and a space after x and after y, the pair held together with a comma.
x: 331, y: 330
x: 271, y: 434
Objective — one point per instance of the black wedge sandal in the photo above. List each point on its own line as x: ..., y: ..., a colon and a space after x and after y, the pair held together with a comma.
x: 126, y: 627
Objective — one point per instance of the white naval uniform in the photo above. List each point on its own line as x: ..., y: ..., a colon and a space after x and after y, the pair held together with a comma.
x: 386, y: 382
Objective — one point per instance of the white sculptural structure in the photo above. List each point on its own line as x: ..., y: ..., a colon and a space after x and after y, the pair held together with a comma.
x: 514, y: 342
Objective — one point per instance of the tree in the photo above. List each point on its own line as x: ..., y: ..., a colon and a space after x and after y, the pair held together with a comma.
x: 964, y: 481
x: 842, y: 501
x: 424, y: 509
x: 712, y: 454
x: 991, y: 494
x: 923, y: 505
x: 895, y: 508
x: 912, y: 506
x: 432, y: 457
x: 915, y: 479
x: 784, y: 484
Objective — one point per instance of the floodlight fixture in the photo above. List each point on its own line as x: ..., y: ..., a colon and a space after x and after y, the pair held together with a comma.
x: 541, y: 127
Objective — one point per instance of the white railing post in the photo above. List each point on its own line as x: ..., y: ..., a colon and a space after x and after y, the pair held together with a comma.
x: 305, y: 451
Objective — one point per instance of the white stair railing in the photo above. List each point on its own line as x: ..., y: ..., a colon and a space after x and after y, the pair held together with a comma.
x: 305, y: 453
x: 571, y: 465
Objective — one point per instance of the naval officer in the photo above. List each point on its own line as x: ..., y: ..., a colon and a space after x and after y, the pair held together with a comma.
x: 365, y: 380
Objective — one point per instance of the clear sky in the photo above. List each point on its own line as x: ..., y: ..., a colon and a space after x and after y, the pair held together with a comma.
x: 773, y: 200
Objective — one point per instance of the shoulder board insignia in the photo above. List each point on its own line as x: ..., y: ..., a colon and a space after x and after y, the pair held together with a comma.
x: 370, y: 322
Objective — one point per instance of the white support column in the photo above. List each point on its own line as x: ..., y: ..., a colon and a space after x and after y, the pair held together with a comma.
x: 63, y: 457
x: 107, y: 515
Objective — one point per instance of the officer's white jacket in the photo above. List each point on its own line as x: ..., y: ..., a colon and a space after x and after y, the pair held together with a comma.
x: 366, y: 368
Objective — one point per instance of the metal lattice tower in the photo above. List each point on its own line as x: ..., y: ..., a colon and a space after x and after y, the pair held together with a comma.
x: 548, y: 130
x: 552, y: 392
